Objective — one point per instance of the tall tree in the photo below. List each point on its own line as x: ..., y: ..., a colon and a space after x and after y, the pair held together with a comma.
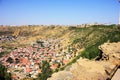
x: 46, y: 71
x: 3, y: 73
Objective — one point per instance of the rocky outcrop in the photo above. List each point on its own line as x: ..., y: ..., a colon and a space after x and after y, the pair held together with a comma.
x: 111, y: 52
x: 85, y: 69
x: 62, y: 75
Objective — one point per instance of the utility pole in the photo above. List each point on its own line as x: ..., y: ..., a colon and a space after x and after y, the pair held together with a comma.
x: 119, y: 18
x: 119, y: 14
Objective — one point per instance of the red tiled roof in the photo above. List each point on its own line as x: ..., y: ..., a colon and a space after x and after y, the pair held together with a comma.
x: 28, y: 70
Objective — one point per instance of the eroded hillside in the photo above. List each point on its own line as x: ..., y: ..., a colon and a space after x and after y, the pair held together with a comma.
x: 75, y: 36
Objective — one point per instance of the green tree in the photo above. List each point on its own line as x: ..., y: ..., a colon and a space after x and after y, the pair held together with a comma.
x: 2, y: 69
x: 46, y: 71
x: 10, y: 60
x: 3, y: 73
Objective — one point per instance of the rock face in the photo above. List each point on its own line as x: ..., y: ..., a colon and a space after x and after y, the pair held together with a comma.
x: 62, y: 75
x: 85, y: 69
x: 111, y: 52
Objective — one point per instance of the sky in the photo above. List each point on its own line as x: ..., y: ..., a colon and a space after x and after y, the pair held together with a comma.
x: 62, y: 12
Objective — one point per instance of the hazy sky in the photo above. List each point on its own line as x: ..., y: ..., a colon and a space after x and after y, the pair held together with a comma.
x: 21, y: 12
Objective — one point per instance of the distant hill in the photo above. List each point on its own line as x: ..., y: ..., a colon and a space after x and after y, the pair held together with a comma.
x: 77, y: 37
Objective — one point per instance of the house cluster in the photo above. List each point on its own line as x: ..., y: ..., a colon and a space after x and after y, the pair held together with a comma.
x: 7, y: 38
x: 27, y: 62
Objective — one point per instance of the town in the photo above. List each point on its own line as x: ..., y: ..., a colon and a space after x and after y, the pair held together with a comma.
x: 26, y: 62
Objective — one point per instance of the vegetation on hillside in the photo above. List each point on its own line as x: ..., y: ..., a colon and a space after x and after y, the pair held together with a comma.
x: 92, y: 37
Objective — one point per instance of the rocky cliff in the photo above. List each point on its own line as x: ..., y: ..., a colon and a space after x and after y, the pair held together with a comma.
x: 111, y: 52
